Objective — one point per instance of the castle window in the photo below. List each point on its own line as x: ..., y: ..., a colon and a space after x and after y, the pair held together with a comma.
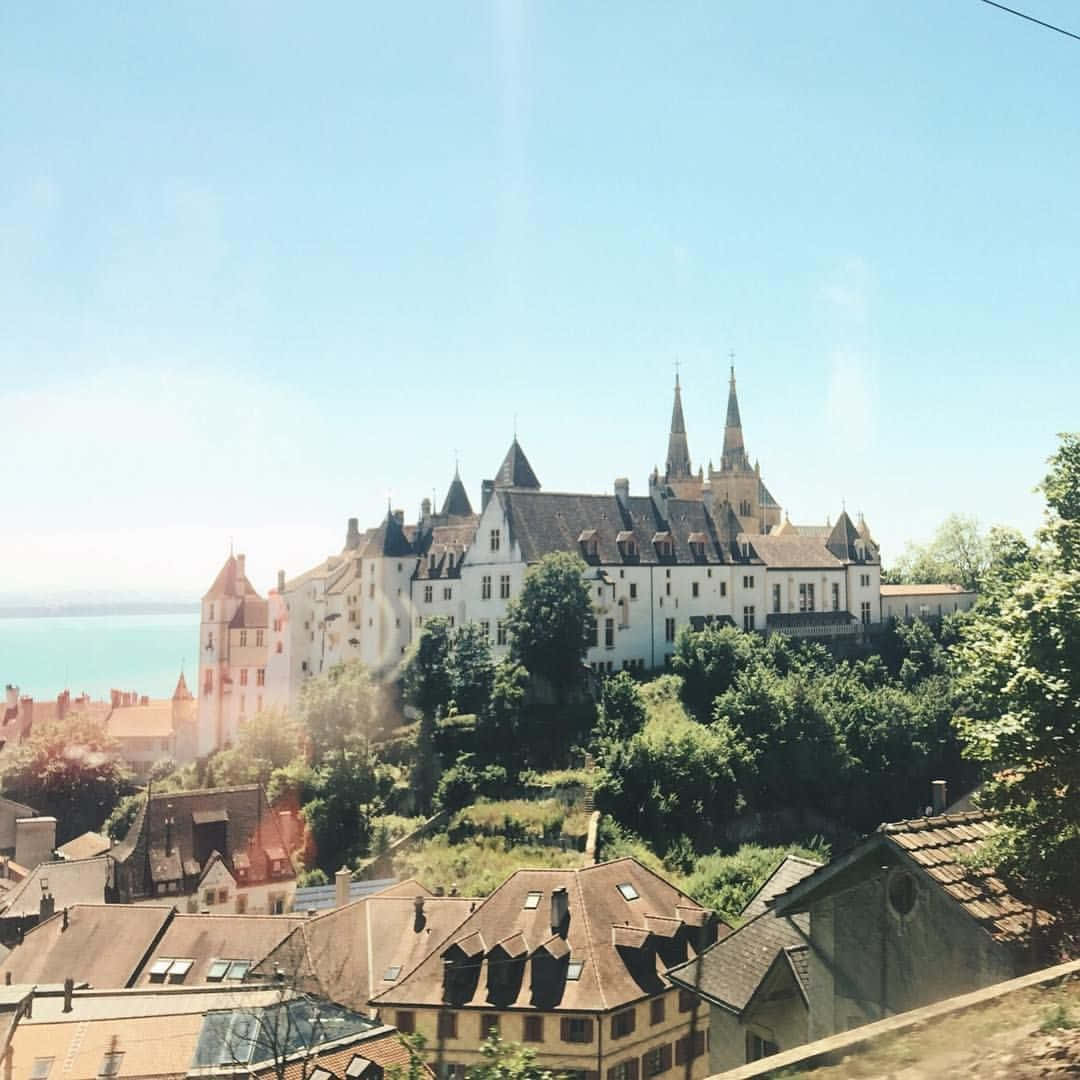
x: 588, y: 542
x: 609, y: 633
x: 243, y: 676
x: 504, y: 586
x: 669, y: 629
x: 429, y: 592
x: 723, y: 588
x: 835, y: 597
x: 485, y: 628
x: 748, y: 617
x: 432, y: 561
x: 449, y: 560
x: 694, y: 588
x: 865, y: 612
x: 448, y: 593
x: 500, y: 632
x: 806, y: 597
x: 748, y: 581
x: 633, y: 590
x: 776, y: 599
x: 485, y: 587
x: 744, y: 508
x: 243, y: 638
x: 496, y: 540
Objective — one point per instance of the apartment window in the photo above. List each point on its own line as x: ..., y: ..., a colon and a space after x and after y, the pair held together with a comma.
x: 776, y: 599
x: 835, y: 597
x: 500, y: 632
x: 865, y: 609
x: 371, y: 590
x: 622, y: 1024
x: 243, y: 676
x: 687, y: 1001
x: 208, y: 897
x: 405, y: 1022
x: 485, y: 628
x: 609, y: 633
x: 723, y: 588
x: 689, y: 1047
x: 504, y: 586
x: 110, y: 1064
x: 489, y: 1025
x: 428, y: 593
x: 625, y: 1070
x: 657, y: 1010
x: 260, y: 638
x: 748, y: 581
x: 657, y: 1060
x: 243, y: 704
x: 748, y: 617
x: 667, y: 588
x: 669, y: 629
x: 223, y: 896
x: 496, y: 540
x: 806, y: 597
x: 41, y: 1067
x: 633, y: 590
x: 448, y: 592
x: 532, y: 1030
x: 243, y: 638
x: 485, y: 587
x: 576, y: 1030
x: 447, y: 1025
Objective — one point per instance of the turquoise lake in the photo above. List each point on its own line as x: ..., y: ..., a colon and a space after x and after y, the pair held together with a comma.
x: 144, y: 653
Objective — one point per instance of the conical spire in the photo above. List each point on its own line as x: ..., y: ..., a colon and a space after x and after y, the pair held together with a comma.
x: 734, y: 456
x: 457, y: 502
x: 182, y: 693
x: 515, y: 471
x: 678, y: 453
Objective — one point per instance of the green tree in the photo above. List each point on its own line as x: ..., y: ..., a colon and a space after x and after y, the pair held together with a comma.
x: 1023, y: 684
x: 267, y: 742
x: 708, y: 661
x: 428, y: 680
x: 472, y: 670
x: 69, y: 769
x: 340, y: 711
x: 550, y: 621
x: 959, y: 553
x: 622, y: 712
x: 506, y: 1061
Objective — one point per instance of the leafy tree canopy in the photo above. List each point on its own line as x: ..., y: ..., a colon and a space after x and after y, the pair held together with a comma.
x: 551, y: 619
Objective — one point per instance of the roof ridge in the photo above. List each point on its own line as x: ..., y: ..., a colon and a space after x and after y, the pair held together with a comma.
x: 927, y: 821
x: 594, y: 966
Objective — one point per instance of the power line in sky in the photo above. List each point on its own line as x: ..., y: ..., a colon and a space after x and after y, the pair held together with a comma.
x: 1031, y: 18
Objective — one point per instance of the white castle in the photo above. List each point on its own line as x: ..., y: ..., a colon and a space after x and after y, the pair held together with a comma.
x: 699, y: 548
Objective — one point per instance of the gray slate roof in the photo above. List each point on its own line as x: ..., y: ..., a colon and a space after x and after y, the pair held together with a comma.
x: 515, y: 471
x: 794, y: 552
x: 790, y: 872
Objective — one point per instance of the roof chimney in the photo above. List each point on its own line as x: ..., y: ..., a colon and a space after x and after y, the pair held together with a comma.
x: 560, y: 910
x: 418, y: 905
x: 342, y: 881
x: 487, y: 489
x: 48, y: 901
x: 69, y: 989
x: 280, y: 582
x: 352, y: 533
x: 64, y: 924
x: 622, y: 491
x: 239, y: 565
x: 938, y: 796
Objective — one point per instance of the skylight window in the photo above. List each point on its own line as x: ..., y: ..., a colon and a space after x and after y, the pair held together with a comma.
x: 159, y: 968
x: 217, y: 970
x: 573, y: 970
x: 392, y: 973
x: 179, y: 968
x: 41, y: 1068
x: 110, y: 1064
x: 628, y: 891
x: 532, y: 900
x: 238, y: 969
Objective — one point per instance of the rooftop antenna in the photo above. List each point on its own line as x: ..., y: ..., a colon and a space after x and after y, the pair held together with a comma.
x: 676, y: 373
x: 731, y: 358
x: 515, y: 427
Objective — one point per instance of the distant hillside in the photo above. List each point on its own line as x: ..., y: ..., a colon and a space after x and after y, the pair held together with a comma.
x: 91, y: 608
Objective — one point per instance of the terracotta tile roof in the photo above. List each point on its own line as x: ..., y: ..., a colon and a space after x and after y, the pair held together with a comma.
x: 84, y: 847
x: 611, y: 975
x: 103, y: 945
x: 941, y: 846
x: 385, y: 1050
x: 207, y: 938
x: 77, y: 881
x: 345, y: 954
x: 151, y: 721
x: 251, y: 612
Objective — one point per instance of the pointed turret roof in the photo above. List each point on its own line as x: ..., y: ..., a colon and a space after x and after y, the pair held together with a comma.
x: 457, y: 503
x: 678, y: 452
x: 515, y: 471
x: 842, y: 539
x: 181, y: 693
x: 734, y: 455
x: 388, y: 539
x: 231, y: 580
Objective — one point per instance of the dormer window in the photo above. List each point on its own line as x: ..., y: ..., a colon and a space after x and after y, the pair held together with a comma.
x: 663, y: 543
x: 627, y: 543
x: 450, y: 561
x: 697, y: 541
x: 433, y: 561
x: 588, y: 543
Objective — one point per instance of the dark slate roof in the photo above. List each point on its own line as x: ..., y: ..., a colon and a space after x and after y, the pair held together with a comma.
x: 388, y: 539
x: 443, y: 541
x: 678, y: 453
x: 843, y: 538
x: 789, y: 872
x: 321, y: 897
x: 515, y: 471
x: 456, y: 503
x: 765, y: 497
x: 70, y: 881
x: 729, y: 972
x: 252, y: 832
x: 543, y: 522
x: 799, y: 958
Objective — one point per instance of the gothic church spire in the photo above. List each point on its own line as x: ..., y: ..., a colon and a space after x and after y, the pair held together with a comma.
x: 734, y: 456
x: 678, y: 452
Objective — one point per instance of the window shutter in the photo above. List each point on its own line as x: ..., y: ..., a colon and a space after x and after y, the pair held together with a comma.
x: 644, y: 1063
x: 665, y: 1057
x: 633, y: 1022
x: 611, y: 1072
x: 564, y: 1029
x: 680, y: 1051
x: 588, y: 1031
x: 591, y: 1074
x: 699, y: 1043
x: 633, y: 1063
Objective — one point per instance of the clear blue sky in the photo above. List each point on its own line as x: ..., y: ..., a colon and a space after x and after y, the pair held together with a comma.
x: 261, y: 265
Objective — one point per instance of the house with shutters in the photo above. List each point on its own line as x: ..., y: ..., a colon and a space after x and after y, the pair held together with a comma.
x: 572, y: 964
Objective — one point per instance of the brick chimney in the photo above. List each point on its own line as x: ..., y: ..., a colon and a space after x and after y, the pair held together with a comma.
x: 280, y: 582
x: 938, y: 796
x: 69, y: 990
x: 12, y: 696
x: 48, y: 902
x: 622, y: 492
x: 487, y: 489
x: 239, y: 566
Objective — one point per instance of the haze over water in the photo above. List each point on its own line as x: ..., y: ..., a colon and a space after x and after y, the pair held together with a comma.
x: 144, y: 653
